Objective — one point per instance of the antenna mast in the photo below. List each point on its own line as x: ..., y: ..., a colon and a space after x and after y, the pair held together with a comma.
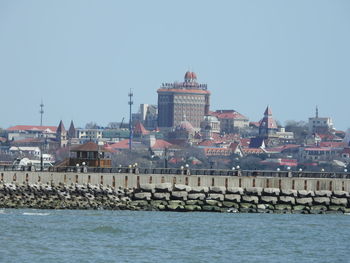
x: 41, y: 112
x: 130, y: 118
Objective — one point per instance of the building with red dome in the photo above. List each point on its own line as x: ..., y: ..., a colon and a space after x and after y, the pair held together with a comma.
x: 179, y: 99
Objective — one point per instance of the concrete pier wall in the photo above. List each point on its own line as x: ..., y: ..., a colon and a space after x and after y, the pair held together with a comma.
x: 131, y: 180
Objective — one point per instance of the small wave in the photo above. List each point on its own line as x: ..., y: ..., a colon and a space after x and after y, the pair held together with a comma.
x: 107, y: 229
x: 35, y: 214
x: 2, y: 211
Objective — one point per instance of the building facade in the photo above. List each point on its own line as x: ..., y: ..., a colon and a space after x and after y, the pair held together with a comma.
x: 231, y: 121
x: 185, y: 100
x: 320, y: 124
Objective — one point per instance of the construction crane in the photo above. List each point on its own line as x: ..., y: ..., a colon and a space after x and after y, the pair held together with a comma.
x: 121, y: 124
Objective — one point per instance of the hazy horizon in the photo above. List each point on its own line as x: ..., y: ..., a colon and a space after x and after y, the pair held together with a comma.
x: 83, y: 57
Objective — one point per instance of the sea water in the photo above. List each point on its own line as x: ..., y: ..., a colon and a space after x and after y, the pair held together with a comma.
x: 127, y: 236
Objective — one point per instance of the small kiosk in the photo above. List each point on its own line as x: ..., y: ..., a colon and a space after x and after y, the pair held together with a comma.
x: 92, y: 154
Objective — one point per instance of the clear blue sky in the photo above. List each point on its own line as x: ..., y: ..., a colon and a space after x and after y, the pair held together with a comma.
x: 82, y: 57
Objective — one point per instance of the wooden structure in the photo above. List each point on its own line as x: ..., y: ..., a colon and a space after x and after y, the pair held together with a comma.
x: 91, y: 154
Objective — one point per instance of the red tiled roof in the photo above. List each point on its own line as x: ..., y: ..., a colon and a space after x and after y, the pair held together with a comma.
x: 245, y: 142
x: 321, y: 149
x: 217, y: 151
x: 329, y: 137
x: 333, y: 144
x: 225, y: 138
x: 89, y: 147
x: 268, y: 111
x: 228, y: 114
x: 346, y: 150
x: 28, y: 140
x: 175, y: 160
x: 254, y: 123
x: 252, y: 150
x: 32, y: 128
x: 206, y: 143
x: 282, y: 148
x: 140, y: 129
x: 123, y: 144
x: 161, y: 144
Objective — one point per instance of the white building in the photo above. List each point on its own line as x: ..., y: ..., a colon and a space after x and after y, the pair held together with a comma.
x: 92, y: 134
x: 34, y: 151
x: 320, y: 124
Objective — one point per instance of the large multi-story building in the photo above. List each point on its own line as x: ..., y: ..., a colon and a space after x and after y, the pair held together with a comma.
x: 147, y: 115
x: 183, y: 100
x: 321, y: 125
x: 231, y: 121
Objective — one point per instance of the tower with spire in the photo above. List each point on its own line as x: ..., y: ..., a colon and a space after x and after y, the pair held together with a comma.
x: 71, y: 131
x: 268, y: 125
x: 61, y: 135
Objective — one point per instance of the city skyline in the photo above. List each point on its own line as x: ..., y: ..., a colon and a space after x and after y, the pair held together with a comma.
x: 82, y: 59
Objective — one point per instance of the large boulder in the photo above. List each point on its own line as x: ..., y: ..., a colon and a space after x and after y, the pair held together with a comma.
x: 339, y: 201
x: 217, y: 189
x: 148, y: 188
x: 306, y: 193
x: 271, y: 191
x: 233, y: 197
x: 250, y: 199
x: 179, y: 195
x: 198, y: 196
x: 193, y: 208
x: 164, y: 187
x: 194, y: 202
x: 323, y: 193
x: 321, y: 200
x: 161, y: 196
x: 287, y: 200
x: 289, y: 192
x: 253, y: 191
x: 235, y: 190
x: 269, y: 200
x: 213, y: 202
x: 176, y: 202
x: 230, y: 204
x: 219, y: 197
x: 199, y: 189
x: 304, y: 201
x: 340, y: 194
x: 142, y: 196
x: 283, y: 207
x: 247, y: 206
x: 182, y: 187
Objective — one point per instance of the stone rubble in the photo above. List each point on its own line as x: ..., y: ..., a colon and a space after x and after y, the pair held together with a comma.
x: 166, y: 197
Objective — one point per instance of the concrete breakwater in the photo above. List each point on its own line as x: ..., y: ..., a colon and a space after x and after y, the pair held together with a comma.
x: 173, y: 197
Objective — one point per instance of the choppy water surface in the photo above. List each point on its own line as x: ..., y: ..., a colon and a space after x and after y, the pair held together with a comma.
x: 126, y: 236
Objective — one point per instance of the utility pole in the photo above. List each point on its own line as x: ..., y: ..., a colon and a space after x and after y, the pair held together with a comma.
x: 41, y: 112
x: 130, y: 118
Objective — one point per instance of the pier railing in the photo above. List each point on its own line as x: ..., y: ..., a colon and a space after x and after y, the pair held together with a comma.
x: 179, y: 171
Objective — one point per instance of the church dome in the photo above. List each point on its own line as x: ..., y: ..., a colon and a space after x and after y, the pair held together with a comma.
x: 190, y: 76
x: 185, y: 126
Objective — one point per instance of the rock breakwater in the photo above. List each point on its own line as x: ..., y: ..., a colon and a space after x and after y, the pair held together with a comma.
x: 169, y: 197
